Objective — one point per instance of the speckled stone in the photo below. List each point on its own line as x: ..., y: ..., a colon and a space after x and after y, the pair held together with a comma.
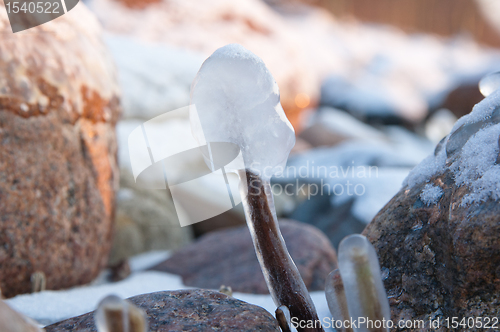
x: 58, y: 168
x: 227, y: 257
x: 187, y: 310
x: 441, y: 260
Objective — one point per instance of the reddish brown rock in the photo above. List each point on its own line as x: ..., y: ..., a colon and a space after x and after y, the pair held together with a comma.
x: 187, y: 310
x: 227, y: 257
x: 441, y: 260
x: 58, y: 171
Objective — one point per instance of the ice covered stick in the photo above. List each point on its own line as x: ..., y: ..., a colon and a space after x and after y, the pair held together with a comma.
x: 114, y: 314
x: 283, y: 318
x: 337, y: 301
x: 365, y: 293
x: 489, y: 84
x: 235, y: 99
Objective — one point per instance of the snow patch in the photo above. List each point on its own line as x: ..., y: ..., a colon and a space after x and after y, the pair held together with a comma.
x: 470, y: 151
x: 431, y: 194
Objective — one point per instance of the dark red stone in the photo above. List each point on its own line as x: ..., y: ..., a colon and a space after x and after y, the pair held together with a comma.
x: 187, y: 310
x: 227, y: 257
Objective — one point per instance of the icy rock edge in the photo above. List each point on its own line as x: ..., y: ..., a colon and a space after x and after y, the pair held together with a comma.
x: 470, y: 152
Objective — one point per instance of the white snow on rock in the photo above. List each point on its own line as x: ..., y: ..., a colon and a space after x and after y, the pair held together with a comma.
x: 477, y: 168
x: 236, y: 100
x: 470, y: 151
x: 426, y: 169
x: 431, y: 194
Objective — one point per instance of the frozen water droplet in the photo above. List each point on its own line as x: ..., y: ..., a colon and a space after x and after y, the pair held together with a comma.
x: 489, y: 84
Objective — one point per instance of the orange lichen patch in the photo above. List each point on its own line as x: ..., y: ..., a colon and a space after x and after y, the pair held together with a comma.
x: 49, y: 99
x: 100, y: 145
x: 45, y: 70
x: 98, y: 109
x: 138, y: 4
x: 94, y: 108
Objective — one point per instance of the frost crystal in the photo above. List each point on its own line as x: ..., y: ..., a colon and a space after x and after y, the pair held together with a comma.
x: 431, y: 194
x: 237, y: 100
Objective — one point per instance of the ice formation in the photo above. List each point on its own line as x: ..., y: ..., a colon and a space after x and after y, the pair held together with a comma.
x: 116, y: 315
x: 236, y: 100
x: 431, y: 194
x: 364, y: 290
x: 336, y: 299
x: 489, y: 84
x: 470, y: 151
x: 283, y: 318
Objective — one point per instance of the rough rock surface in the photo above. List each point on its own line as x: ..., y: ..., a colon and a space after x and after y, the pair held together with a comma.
x: 437, y: 239
x: 187, y: 310
x: 227, y: 257
x: 442, y: 260
x: 58, y: 169
x: 146, y: 219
